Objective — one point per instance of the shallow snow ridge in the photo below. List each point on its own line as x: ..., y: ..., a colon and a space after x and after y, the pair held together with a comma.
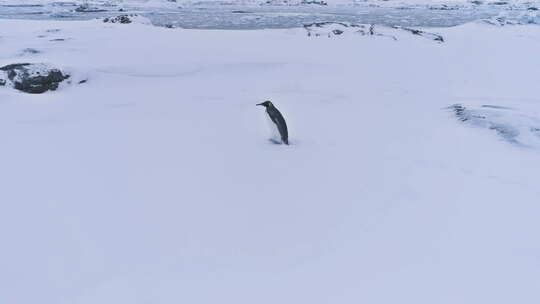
x: 330, y: 29
x: 510, y: 124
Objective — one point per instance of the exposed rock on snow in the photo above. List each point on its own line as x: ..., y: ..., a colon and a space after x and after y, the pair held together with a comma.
x: 33, y: 78
x: 335, y: 28
x: 330, y: 29
x: 498, y: 3
x: 428, y: 35
x: 307, y: 2
x: 513, y: 126
x: 444, y: 7
x: 294, y: 2
x: 126, y: 19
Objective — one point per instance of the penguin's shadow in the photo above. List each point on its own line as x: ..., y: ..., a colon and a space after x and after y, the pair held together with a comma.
x: 278, y: 143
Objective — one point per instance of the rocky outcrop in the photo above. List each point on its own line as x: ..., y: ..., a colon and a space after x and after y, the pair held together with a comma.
x: 444, y: 7
x: 428, y: 35
x: 127, y: 19
x: 294, y: 2
x: 124, y: 19
x: 313, y: 2
x: 34, y: 78
x: 329, y: 29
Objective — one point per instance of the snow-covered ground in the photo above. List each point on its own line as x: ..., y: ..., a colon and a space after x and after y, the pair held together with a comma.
x: 154, y: 181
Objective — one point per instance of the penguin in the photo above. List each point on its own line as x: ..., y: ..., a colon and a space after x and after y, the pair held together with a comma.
x: 278, y: 122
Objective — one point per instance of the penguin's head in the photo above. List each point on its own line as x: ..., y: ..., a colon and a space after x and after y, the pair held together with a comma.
x: 265, y: 104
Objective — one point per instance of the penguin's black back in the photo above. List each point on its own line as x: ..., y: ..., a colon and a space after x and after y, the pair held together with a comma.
x: 278, y: 119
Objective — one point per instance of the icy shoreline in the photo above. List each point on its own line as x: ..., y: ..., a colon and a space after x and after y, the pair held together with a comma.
x: 260, y: 15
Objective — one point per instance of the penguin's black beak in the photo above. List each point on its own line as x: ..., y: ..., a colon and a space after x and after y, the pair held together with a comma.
x: 259, y: 104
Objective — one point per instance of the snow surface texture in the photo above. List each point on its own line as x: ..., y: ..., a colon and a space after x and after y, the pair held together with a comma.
x: 155, y: 182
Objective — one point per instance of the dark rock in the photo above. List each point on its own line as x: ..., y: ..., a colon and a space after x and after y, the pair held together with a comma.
x: 63, y: 4
x: 332, y: 28
x: 9, y: 67
x: 123, y: 19
x: 432, y: 36
x: 532, y: 8
x: 34, y: 78
x: 443, y: 7
x: 58, y: 39
x: 313, y: 2
x: 241, y: 12
x: 2, y: 82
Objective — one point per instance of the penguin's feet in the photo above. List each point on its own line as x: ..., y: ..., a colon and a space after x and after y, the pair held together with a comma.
x: 274, y: 141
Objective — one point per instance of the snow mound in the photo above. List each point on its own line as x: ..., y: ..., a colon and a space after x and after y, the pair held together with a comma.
x: 510, y: 124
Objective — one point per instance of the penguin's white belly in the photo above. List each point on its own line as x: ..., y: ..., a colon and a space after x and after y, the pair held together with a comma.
x: 274, y: 131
